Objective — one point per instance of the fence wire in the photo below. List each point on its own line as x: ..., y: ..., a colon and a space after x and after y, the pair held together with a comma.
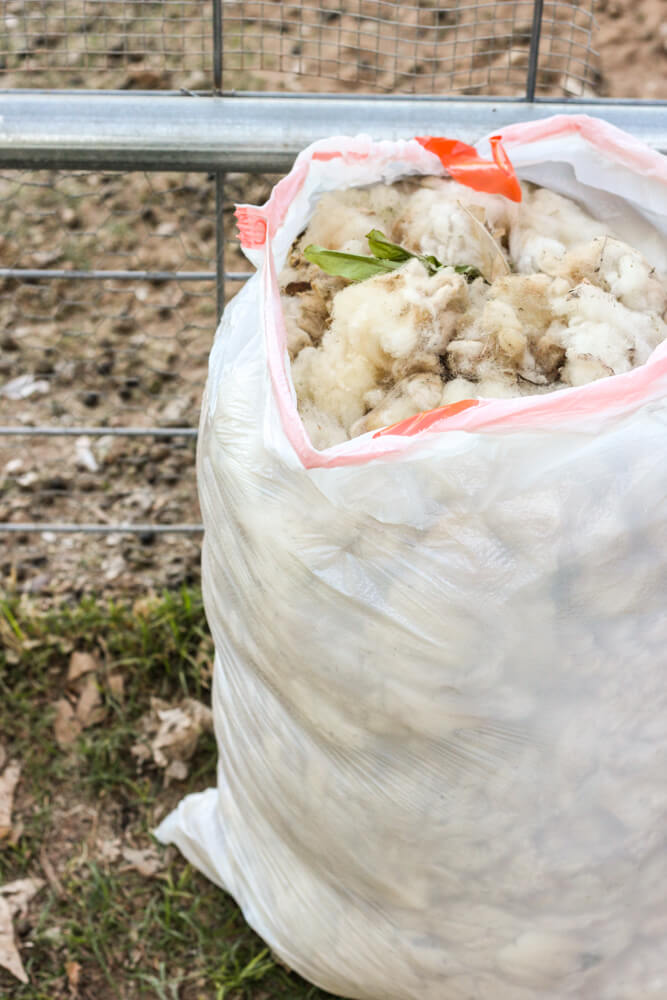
x: 107, y: 309
x: 414, y: 48
x: 425, y: 47
x: 106, y: 44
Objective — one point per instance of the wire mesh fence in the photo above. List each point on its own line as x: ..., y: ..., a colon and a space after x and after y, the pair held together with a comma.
x: 108, y: 348
x: 425, y: 47
x: 107, y: 310
x: 112, y: 44
x: 415, y: 48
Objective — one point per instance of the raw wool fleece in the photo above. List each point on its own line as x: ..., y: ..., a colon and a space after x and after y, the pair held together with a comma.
x: 582, y: 305
x: 439, y: 686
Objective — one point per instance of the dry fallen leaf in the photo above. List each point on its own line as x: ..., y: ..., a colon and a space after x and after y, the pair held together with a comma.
x: 14, y: 899
x: 89, y: 709
x: 108, y: 848
x: 73, y: 973
x: 179, y: 730
x: 116, y: 684
x: 9, y: 956
x: 66, y: 725
x: 8, y: 782
x: 79, y: 664
x: 171, y: 734
x: 147, y: 861
x: 19, y: 893
x: 176, y: 770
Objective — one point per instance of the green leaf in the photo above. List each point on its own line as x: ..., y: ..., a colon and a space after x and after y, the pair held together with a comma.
x: 386, y: 257
x: 352, y: 266
x: 470, y: 272
x: 381, y: 247
x: 431, y: 263
x: 384, y: 250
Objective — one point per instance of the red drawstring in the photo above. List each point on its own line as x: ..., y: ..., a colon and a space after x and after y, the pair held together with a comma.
x: 466, y: 166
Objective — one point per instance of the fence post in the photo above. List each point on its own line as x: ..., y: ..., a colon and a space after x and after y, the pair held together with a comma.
x: 535, y: 33
x: 219, y: 175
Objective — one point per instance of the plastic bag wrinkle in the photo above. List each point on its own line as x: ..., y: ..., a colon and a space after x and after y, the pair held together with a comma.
x: 439, y: 684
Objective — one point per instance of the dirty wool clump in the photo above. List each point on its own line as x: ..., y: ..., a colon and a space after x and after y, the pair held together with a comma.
x: 523, y: 298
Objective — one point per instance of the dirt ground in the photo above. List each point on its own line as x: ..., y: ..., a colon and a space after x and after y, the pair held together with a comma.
x: 119, y: 352
x: 631, y: 38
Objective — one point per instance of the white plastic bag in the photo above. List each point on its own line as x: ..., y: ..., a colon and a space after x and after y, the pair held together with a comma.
x: 440, y: 688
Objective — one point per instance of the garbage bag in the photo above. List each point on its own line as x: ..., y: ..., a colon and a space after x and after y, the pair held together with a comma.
x: 440, y: 692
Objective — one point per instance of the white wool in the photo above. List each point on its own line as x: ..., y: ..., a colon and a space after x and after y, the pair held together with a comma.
x: 333, y: 382
x: 603, y: 336
x: 413, y: 394
x: 436, y: 220
x: 297, y: 335
x: 341, y: 217
x: 323, y: 430
x: 381, y: 330
x: 456, y: 390
x: 617, y: 268
x: 548, y: 225
x: 580, y: 305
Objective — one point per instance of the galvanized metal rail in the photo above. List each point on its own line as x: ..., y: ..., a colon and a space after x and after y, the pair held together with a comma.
x: 258, y: 134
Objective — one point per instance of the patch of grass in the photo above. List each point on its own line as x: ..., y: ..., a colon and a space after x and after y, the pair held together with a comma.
x: 99, y: 930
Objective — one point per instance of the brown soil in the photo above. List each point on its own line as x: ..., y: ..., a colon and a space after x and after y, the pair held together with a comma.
x: 631, y: 38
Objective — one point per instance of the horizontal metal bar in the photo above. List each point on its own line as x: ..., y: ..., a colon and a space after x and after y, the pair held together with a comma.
x: 360, y: 98
x: 98, y: 431
x: 42, y: 274
x: 34, y: 273
x: 255, y: 134
x: 244, y: 94
x: 101, y: 529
